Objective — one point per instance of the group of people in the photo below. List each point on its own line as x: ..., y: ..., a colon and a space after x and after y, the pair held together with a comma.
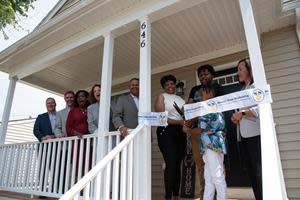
x: 208, y: 132
x: 208, y: 135
x: 80, y: 117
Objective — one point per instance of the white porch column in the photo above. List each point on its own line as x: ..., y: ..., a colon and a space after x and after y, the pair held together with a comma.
x: 272, y: 176
x: 142, y: 176
x: 7, y: 109
x: 106, y: 80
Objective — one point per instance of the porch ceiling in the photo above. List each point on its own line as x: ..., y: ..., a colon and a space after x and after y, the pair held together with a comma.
x: 210, y: 29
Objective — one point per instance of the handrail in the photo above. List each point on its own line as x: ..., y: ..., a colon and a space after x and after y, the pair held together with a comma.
x: 63, y: 139
x: 100, y: 166
x: 51, y: 167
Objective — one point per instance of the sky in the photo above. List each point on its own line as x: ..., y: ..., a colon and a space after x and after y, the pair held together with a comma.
x: 28, y: 101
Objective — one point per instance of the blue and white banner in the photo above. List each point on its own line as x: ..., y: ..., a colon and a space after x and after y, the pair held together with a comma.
x: 241, y: 99
x: 153, y: 118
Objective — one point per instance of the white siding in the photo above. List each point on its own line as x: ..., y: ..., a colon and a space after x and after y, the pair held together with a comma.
x: 20, y: 131
x: 281, y: 55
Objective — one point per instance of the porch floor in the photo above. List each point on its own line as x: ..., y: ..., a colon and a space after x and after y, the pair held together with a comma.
x: 233, y: 194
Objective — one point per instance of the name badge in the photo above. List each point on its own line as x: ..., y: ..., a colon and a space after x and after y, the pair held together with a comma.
x: 153, y: 118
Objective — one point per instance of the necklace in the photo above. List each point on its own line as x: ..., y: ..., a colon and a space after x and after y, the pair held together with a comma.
x: 83, y: 111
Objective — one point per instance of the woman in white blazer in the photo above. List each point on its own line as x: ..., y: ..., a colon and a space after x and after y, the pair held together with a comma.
x: 248, y: 121
x: 93, y: 110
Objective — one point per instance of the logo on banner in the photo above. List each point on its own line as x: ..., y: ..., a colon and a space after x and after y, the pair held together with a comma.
x: 258, y: 95
x: 212, y: 105
x: 163, y: 118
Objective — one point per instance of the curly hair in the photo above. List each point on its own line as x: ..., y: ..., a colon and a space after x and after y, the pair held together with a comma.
x: 86, y: 94
x: 167, y: 78
x: 207, y: 67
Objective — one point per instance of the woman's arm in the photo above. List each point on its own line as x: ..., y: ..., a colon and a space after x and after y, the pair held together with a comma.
x: 92, y: 126
x: 193, y: 131
x: 159, y: 104
x: 175, y: 122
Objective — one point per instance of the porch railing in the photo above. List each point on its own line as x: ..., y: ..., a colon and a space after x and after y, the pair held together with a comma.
x: 104, y: 181
x: 49, y: 168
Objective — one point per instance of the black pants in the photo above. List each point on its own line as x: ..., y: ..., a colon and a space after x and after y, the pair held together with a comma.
x: 171, y: 142
x: 252, y: 149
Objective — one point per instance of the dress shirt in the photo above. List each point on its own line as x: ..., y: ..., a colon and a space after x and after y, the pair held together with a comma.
x: 52, y: 117
x: 136, y: 100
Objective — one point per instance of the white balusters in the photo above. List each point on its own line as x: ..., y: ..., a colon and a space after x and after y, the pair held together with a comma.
x: 52, y: 167
x: 58, y: 162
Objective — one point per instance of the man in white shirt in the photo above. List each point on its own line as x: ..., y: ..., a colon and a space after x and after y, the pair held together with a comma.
x: 44, y: 124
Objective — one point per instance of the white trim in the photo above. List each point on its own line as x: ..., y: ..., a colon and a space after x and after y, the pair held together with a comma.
x: 142, y: 154
x: 106, y: 79
x: 287, y: 5
x: 297, y: 11
x: 271, y: 164
x: 7, y: 109
x: 232, y: 75
x: 62, y: 50
x: 56, y: 53
x: 41, y: 32
x: 53, y: 11
x: 226, y: 66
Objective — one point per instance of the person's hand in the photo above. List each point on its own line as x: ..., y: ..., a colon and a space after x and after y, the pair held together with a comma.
x: 234, y: 120
x: 187, y: 123
x: 186, y: 129
x: 238, y: 116
x: 78, y: 134
x: 46, y: 137
x: 123, y: 131
x: 209, y: 132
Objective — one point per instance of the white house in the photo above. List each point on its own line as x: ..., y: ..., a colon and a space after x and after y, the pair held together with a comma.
x: 82, y: 42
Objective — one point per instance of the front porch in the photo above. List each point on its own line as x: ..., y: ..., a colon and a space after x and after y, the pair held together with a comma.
x: 87, y: 43
x: 233, y: 194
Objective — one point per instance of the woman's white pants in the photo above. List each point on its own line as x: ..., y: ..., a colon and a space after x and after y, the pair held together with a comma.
x: 214, y: 175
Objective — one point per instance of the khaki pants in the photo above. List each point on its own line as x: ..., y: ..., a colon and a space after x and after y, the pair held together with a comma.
x: 199, y: 165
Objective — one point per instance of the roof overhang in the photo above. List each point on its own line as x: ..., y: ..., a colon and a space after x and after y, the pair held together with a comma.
x: 66, y: 52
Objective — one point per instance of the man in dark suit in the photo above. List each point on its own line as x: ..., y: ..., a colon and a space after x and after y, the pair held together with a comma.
x: 125, y: 115
x: 44, y: 130
x: 44, y: 124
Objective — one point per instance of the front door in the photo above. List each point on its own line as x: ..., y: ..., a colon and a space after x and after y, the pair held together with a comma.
x: 235, y: 172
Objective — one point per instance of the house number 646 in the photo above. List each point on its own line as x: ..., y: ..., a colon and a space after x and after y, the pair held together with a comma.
x: 143, y: 35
